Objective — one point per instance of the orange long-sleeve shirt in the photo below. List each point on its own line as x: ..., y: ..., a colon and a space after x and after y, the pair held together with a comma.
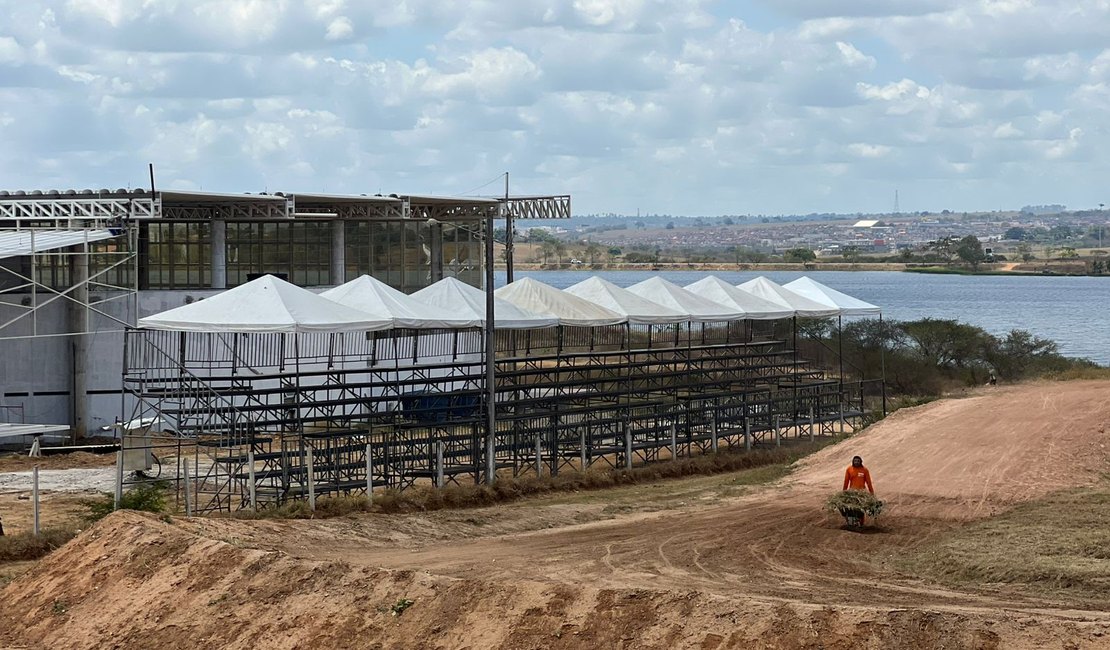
x: 857, y: 478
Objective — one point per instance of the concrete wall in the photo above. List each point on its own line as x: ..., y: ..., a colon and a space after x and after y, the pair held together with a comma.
x: 37, y: 373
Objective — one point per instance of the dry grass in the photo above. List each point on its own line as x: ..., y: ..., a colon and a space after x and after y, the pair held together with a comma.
x: 1080, y: 373
x: 1060, y: 544
x: 854, y: 501
x: 27, y: 546
x: 773, y: 462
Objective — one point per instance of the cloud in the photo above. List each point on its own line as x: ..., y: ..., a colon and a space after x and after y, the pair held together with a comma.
x: 865, y: 150
x: 339, y: 29
x: 623, y: 103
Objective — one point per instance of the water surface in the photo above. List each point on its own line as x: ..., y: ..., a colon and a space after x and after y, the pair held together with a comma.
x: 1073, y: 311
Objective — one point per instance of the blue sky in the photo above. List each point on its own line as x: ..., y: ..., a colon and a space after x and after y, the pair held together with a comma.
x: 669, y: 106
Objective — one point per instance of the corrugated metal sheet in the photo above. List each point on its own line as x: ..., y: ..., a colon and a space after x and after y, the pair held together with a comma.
x: 15, y: 243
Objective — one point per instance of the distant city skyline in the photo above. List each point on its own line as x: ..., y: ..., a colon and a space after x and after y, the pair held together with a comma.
x: 688, y: 107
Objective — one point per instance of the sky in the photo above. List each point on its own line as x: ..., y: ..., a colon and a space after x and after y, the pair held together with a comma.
x: 684, y: 107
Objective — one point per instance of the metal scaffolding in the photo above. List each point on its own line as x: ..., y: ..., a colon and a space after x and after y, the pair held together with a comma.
x: 261, y: 419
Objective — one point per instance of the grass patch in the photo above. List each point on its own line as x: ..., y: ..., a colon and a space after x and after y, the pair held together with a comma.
x: 28, y: 546
x: 762, y: 465
x: 1057, y: 544
x: 326, y: 508
x: 147, y: 497
x: 1080, y: 373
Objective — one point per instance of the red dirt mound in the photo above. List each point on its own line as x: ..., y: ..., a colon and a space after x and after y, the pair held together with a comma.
x: 135, y: 582
x: 997, y: 447
x: 770, y: 569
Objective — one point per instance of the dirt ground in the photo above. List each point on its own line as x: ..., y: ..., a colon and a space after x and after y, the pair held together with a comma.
x: 16, y: 462
x: 708, y: 562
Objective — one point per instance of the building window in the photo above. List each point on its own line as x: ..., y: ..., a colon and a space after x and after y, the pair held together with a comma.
x: 179, y: 255
x: 463, y: 256
x: 301, y: 250
x: 400, y: 253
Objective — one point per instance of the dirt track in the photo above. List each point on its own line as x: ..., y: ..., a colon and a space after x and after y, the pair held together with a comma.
x: 768, y: 569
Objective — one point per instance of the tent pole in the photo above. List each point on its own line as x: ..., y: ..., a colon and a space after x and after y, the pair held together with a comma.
x: 882, y: 361
x: 488, y: 328
x: 840, y: 361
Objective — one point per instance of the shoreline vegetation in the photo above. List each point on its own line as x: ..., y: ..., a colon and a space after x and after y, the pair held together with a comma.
x: 1009, y: 269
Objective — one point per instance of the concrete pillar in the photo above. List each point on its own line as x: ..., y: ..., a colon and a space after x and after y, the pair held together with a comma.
x: 219, y: 254
x: 338, y: 252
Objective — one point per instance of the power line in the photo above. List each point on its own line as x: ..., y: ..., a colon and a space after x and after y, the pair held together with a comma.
x: 490, y: 182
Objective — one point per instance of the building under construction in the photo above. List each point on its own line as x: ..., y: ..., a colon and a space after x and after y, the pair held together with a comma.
x: 192, y: 322
x: 78, y: 267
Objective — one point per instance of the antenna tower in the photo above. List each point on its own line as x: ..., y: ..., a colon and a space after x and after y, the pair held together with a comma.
x: 896, y: 210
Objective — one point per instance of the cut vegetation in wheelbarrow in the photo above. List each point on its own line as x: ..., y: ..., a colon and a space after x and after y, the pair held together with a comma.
x: 856, y: 502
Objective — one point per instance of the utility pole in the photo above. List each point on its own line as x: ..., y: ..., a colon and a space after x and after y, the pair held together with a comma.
x: 488, y: 330
x: 508, y: 234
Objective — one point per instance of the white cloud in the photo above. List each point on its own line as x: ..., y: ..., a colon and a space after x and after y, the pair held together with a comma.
x: 339, y: 29
x: 1007, y: 131
x: 854, y: 57
x: 10, y: 51
x: 620, y: 102
x: 865, y: 150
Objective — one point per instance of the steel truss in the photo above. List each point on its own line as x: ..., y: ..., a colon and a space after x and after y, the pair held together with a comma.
x: 273, y: 417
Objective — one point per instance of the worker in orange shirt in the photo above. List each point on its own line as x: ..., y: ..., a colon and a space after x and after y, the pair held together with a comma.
x: 856, y: 477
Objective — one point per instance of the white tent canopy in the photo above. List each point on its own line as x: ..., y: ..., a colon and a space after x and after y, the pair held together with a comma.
x: 266, y: 304
x: 536, y: 296
x: 751, y: 305
x: 848, y: 305
x: 637, y: 308
x: 375, y: 297
x: 780, y: 295
x: 696, y: 308
x: 462, y: 299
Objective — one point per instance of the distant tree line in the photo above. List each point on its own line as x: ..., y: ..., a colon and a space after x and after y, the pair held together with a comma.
x: 929, y: 356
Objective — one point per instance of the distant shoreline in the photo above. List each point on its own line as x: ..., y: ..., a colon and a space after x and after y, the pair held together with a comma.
x: 710, y: 266
x: 816, y: 267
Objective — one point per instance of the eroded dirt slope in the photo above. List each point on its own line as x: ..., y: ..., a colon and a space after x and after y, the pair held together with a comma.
x: 768, y: 569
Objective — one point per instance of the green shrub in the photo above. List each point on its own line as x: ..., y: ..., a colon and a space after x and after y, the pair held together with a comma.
x: 146, y: 497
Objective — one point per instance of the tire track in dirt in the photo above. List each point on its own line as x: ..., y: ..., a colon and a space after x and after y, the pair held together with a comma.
x: 937, y: 466
x: 767, y: 568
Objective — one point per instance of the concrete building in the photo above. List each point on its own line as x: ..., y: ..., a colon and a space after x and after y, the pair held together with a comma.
x: 77, y: 267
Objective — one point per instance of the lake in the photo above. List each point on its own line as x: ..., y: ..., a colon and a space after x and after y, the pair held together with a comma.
x: 1069, y: 310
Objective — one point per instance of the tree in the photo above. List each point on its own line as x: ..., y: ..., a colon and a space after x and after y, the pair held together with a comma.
x: 593, y: 251
x: 906, y: 254
x: 669, y: 226
x: 970, y: 250
x: 1068, y: 253
x: 1026, y: 252
x: 1060, y: 232
x: 946, y: 343
x: 850, y: 253
x: 799, y: 255
x: 1016, y: 233
x: 1013, y: 356
x: 945, y: 247
x: 547, y: 248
